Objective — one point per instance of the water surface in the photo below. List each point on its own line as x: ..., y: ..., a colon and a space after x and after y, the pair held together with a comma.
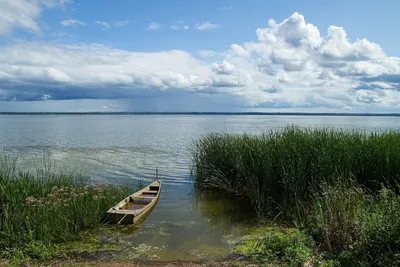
x: 128, y: 148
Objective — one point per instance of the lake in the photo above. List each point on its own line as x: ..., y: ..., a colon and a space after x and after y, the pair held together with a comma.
x: 128, y: 148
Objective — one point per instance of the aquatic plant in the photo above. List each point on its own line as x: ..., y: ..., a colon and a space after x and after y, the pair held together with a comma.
x: 48, y: 207
x: 279, y: 171
x: 338, y: 187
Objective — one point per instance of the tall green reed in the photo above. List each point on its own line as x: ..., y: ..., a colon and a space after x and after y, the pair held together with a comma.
x: 280, y: 171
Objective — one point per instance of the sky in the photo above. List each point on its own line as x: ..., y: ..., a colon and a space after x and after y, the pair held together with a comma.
x: 199, y: 55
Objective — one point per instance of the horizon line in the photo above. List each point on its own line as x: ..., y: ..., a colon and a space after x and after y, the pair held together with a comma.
x: 204, y: 113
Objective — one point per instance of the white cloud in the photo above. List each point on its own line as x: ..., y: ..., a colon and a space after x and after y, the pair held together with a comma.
x: 121, y: 23
x: 23, y: 14
x: 291, y: 65
x: 97, y: 71
x: 207, y: 53
x: 186, y: 27
x: 174, y: 27
x: 206, y: 26
x: 70, y: 22
x: 153, y: 26
x: 104, y: 24
x: 223, y: 68
x: 239, y: 50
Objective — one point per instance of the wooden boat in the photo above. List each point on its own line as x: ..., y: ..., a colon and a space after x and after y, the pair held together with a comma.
x: 136, y: 206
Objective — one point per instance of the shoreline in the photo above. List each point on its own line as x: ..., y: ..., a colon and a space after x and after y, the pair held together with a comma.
x: 128, y: 263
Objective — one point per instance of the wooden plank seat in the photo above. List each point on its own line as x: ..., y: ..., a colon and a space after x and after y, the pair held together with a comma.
x: 147, y: 197
x: 150, y: 192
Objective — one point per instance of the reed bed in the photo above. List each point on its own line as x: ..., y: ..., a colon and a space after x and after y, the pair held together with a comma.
x: 49, y: 207
x: 339, y: 187
x: 281, y: 171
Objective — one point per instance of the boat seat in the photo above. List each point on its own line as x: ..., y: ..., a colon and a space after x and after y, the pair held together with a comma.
x: 147, y: 197
x: 154, y: 188
x: 150, y: 192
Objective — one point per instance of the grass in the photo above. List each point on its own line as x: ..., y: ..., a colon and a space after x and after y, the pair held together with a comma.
x: 39, y: 211
x: 338, y: 187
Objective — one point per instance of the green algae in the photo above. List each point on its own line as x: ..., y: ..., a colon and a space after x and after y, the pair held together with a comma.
x: 89, y: 244
x: 143, y: 252
x: 209, y: 251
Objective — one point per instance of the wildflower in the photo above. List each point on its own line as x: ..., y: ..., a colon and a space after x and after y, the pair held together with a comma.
x: 95, y: 197
x: 30, y: 201
x: 54, y: 188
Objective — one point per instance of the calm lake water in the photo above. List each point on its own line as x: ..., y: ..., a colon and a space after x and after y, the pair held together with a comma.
x: 128, y: 148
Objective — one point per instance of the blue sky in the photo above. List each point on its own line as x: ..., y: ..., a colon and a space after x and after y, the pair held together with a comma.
x: 64, y: 55
x: 237, y: 20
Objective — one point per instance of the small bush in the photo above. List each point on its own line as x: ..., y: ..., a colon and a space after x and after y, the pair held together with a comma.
x: 336, y: 221
x: 379, y: 244
x: 359, y: 229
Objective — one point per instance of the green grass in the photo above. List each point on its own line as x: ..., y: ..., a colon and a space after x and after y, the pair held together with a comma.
x: 46, y: 208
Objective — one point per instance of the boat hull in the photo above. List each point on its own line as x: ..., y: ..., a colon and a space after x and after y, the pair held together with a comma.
x: 136, y: 206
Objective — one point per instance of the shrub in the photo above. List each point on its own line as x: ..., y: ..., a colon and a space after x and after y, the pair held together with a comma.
x: 277, y: 246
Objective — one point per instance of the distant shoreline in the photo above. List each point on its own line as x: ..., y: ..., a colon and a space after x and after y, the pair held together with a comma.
x: 206, y: 113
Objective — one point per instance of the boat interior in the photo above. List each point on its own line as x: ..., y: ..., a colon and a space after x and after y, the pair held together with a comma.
x: 139, y: 201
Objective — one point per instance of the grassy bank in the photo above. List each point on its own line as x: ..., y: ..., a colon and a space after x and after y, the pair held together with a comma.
x: 339, y: 187
x: 38, y: 211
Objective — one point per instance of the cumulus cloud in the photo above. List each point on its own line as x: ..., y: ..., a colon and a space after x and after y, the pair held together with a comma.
x: 153, y: 26
x: 70, y: 22
x: 206, y: 26
x: 291, y: 65
x: 23, y: 14
x: 224, y: 67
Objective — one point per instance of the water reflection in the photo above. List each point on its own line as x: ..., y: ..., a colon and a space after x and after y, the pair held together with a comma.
x: 222, y: 218
x: 224, y: 212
